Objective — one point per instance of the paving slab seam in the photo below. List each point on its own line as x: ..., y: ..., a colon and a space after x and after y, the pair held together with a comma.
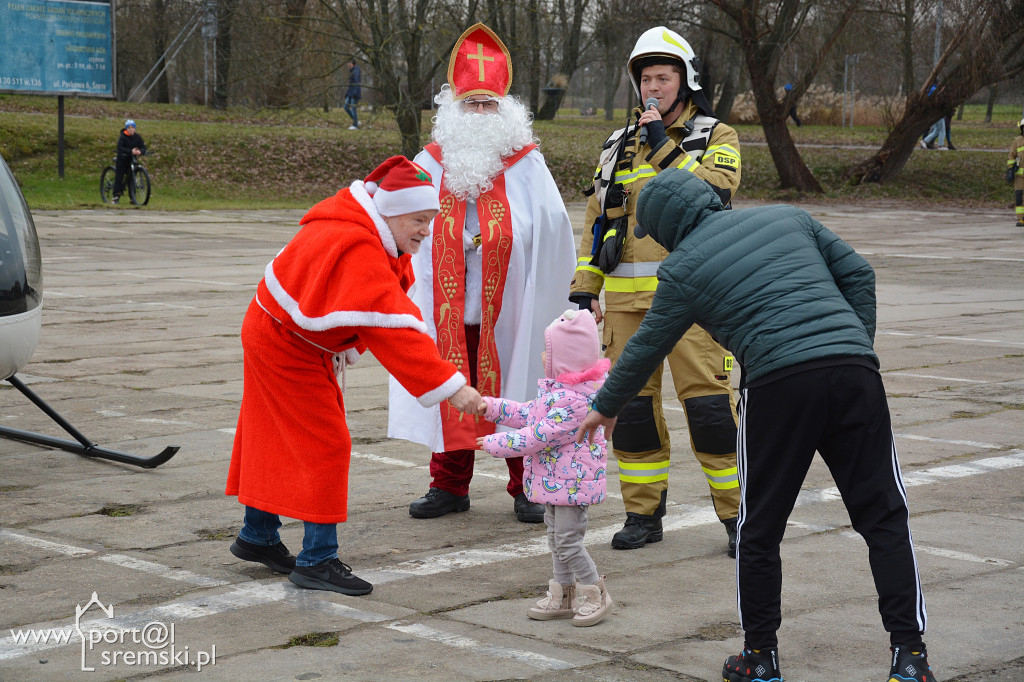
x: 994, y: 342
x: 462, y: 642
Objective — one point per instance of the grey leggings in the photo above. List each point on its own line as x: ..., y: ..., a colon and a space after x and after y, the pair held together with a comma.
x: 569, y: 558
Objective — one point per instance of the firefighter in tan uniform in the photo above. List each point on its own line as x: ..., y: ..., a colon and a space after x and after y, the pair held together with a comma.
x: 677, y: 130
x: 1015, y: 173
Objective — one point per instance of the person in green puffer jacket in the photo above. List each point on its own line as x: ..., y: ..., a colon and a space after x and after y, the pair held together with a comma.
x: 795, y: 304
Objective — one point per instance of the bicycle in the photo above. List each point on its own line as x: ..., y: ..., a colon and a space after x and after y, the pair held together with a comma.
x: 138, y: 182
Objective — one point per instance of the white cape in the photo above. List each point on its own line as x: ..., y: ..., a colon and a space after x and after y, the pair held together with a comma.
x: 540, y: 269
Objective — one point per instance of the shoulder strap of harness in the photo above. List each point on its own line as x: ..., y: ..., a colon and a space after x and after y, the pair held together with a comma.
x: 696, y: 143
x: 611, y: 152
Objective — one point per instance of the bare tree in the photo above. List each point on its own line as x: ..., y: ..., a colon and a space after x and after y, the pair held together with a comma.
x: 763, y: 31
x: 222, y: 56
x: 987, y: 46
x: 572, y: 42
x: 405, y: 42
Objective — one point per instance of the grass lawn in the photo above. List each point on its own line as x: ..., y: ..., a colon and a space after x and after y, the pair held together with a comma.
x: 206, y: 159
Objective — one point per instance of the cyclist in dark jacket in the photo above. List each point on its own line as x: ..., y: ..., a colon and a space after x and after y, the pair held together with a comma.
x: 129, y: 144
x: 796, y: 306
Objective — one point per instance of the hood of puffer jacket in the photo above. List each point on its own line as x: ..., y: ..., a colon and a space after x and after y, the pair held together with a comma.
x: 672, y: 203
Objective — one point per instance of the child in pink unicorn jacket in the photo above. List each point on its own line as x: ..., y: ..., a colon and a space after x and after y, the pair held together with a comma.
x: 563, y: 475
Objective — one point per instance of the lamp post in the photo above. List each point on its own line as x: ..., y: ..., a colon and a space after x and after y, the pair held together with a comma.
x: 849, y: 76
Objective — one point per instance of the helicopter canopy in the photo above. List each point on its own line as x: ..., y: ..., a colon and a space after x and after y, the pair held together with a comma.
x: 21, y: 277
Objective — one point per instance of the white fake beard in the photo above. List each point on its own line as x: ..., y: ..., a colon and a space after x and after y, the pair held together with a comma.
x: 475, y: 145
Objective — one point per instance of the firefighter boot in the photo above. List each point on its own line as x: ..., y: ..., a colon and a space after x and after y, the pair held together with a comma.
x: 641, y: 529
x: 730, y: 530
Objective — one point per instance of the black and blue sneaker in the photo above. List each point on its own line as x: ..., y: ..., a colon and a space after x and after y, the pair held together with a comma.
x: 752, y: 665
x: 910, y: 666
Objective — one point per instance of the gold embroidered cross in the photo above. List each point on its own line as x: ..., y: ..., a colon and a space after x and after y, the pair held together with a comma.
x: 480, y: 56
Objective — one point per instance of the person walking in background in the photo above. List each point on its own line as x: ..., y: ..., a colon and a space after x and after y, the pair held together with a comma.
x: 948, y: 128
x: 491, y: 276
x: 1015, y: 173
x: 337, y: 289
x: 354, y: 93
x: 792, y: 109
x: 938, y: 130
x: 797, y: 306
x: 129, y: 145
x: 677, y: 129
x: 558, y: 472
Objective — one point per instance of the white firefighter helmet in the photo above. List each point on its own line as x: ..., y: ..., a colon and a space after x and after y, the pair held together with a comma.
x: 661, y: 45
x: 1021, y: 126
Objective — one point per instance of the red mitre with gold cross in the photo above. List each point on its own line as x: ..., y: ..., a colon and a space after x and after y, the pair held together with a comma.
x: 480, y: 64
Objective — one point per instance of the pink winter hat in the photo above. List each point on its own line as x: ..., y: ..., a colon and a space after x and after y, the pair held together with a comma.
x: 571, y: 344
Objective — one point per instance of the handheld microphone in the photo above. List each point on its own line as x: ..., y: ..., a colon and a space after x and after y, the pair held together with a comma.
x: 652, y: 102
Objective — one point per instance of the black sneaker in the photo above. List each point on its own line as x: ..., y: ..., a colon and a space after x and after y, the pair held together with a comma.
x: 730, y: 530
x: 331, y: 575
x: 526, y: 511
x: 752, y: 665
x: 276, y: 556
x: 910, y: 666
x: 436, y: 503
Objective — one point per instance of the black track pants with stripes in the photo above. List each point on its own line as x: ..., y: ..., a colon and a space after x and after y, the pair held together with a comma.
x: 841, y: 412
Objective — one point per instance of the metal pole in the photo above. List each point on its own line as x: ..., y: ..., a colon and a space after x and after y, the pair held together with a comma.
x: 60, y: 136
x: 853, y: 85
x: 846, y: 62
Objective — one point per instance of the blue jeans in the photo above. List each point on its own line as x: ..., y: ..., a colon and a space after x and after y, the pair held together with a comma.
x: 937, y: 132
x: 350, y: 108
x: 319, y: 544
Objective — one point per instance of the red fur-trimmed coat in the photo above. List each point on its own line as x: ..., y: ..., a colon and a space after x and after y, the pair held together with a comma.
x: 338, y: 288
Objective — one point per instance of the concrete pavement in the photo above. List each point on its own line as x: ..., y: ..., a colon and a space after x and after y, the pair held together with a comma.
x: 140, y: 350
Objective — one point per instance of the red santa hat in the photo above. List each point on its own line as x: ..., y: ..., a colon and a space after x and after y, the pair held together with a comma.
x: 480, y: 64
x: 399, y: 186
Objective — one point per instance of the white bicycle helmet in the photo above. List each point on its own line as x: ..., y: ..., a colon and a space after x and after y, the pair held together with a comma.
x: 661, y: 45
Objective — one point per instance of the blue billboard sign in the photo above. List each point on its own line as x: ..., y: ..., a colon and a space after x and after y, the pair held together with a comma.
x: 57, y: 47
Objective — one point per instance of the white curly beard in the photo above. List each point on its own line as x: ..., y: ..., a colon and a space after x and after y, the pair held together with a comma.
x: 475, y: 145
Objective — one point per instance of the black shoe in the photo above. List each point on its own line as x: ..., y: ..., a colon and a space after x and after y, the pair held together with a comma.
x: 950, y: 147
x: 730, y: 529
x: 436, y: 503
x: 331, y: 575
x: 528, y: 512
x: 640, y: 529
x: 752, y: 665
x: 910, y: 666
x: 276, y: 556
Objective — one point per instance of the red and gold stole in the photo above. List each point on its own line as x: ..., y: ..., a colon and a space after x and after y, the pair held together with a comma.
x: 449, y: 266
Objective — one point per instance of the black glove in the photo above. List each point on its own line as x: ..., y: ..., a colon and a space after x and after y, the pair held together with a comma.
x: 583, y: 300
x: 655, y: 134
x: 1010, y: 172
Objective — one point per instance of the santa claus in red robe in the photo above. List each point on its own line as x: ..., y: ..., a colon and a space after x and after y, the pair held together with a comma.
x: 336, y: 290
x: 494, y: 272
